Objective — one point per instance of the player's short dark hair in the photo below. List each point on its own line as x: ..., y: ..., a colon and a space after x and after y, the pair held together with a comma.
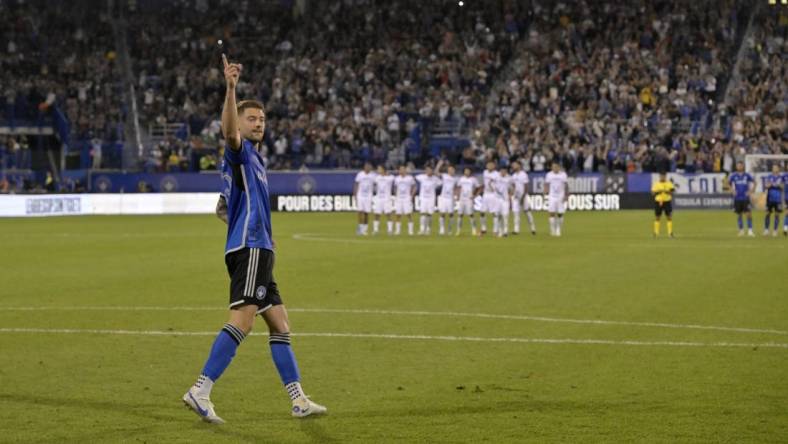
x: 250, y: 104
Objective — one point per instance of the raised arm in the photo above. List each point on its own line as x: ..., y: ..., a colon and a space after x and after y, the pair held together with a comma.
x: 232, y: 71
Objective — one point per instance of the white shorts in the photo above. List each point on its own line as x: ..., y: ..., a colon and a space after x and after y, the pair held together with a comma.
x: 427, y: 206
x: 364, y: 204
x: 520, y: 204
x: 556, y: 205
x: 503, y: 206
x: 490, y: 203
x: 465, y: 207
x: 382, y: 205
x: 445, y: 205
x: 403, y: 206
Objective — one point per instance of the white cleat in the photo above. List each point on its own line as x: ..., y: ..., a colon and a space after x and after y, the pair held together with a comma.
x: 741, y: 233
x: 303, y: 407
x: 203, y: 407
x: 766, y: 232
x: 774, y: 233
x: 750, y: 233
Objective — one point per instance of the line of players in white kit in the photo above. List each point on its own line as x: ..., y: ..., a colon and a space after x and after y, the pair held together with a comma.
x: 500, y: 194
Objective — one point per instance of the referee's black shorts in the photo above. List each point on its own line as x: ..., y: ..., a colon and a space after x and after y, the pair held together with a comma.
x: 666, y: 207
x: 252, y: 278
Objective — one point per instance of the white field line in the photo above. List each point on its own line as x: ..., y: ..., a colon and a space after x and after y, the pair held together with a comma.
x: 405, y: 337
x: 386, y: 239
x: 420, y: 313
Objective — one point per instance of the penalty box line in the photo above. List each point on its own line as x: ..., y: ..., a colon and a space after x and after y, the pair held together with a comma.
x: 567, y: 341
x: 421, y: 313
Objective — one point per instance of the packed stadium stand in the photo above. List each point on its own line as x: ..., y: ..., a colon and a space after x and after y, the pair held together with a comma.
x: 600, y: 85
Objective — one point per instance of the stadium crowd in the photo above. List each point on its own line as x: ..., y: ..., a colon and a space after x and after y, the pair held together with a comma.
x: 342, y: 85
x: 365, y: 80
x: 642, y: 98
x: 59, y: 56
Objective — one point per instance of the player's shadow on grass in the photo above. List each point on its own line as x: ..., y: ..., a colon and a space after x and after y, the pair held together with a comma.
x: 134, y: 409
x: 144, y: 411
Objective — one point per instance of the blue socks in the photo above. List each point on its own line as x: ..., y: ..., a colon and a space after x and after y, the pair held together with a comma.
x: 286, y: 364
x: 283, y: 357
x: 749, y: 223
x: 741, y: 225
x: 223, y: 351
x: 776, y: 221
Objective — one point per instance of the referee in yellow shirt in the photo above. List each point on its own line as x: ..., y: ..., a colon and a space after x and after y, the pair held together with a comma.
x: 663, y: 202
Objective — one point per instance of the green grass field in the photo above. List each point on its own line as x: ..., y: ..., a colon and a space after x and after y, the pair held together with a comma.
x: 599, y: 336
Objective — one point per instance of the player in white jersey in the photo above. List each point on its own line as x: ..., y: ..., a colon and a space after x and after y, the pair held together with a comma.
x: 362, y: 190
x: 383, y: 203
x: 557, y: 192
x: 503, y: 187
x: 520, y: 198
x: 428, y: 185
x: 490, y: 199
x: 405, y: 189
x: 446, y: 199
x: 468, y: 187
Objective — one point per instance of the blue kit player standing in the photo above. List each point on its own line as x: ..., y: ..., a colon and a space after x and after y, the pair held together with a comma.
x: 249, y: 256
x: 741, y: 186
x: 785, y: 198
x: 774, y: 199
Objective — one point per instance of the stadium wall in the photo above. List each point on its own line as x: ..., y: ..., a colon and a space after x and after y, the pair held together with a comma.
x: 195, y: 193
x: 26, y: 205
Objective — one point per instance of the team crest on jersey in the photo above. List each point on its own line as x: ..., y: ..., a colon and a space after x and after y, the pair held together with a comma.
x: 261, y: 290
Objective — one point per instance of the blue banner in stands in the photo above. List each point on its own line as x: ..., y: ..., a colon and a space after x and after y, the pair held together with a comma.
x: 639, y: 182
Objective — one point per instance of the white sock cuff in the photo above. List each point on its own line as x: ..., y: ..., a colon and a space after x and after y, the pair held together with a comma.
x: 295, y: 391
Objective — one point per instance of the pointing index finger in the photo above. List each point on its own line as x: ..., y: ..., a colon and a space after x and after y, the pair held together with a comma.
x: 224, y: 60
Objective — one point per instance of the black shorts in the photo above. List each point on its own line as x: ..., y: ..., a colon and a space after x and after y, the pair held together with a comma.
x: 741, y: 206
x: 773, y: 206
x: 252, y: 278
x: 666, y: 207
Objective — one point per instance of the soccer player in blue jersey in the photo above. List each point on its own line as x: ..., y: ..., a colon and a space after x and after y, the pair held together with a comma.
x: 785, y: 199
x: 742, y: 185
x: 249, y: 256
x: 774, y: 199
